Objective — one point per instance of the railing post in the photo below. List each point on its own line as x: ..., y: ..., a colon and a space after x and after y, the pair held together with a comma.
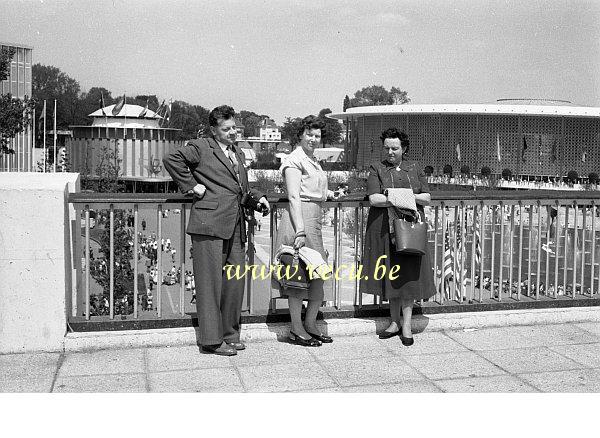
x: 135, y: 260
x: 111, y: 301
x: 593, y: 261
x: 182, y: 256
x: 482, y: 244
x: 159, y: 261
x: 575, y: 239
x: 87, y: 262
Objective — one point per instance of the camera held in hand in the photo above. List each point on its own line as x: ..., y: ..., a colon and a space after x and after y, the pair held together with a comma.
x: 252, y: 204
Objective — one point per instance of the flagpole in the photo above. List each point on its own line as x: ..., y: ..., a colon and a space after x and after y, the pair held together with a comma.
x: 31, y: 166
x: 54, y: 164
x: 45, y: 152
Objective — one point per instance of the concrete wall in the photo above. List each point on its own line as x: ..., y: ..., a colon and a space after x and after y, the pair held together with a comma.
x: 36, y: 264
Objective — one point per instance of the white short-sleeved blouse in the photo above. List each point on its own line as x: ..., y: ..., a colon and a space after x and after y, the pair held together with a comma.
x: 313, y: 185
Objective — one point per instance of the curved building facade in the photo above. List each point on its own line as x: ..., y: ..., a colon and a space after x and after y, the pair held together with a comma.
x: 527, y: 136
x: 134, y: 133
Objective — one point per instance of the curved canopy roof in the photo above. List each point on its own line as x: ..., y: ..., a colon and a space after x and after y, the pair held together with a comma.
x: 467, y: 108
x: 128, y: 110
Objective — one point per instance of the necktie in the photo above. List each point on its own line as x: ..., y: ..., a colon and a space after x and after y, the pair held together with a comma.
x: 234, y: 161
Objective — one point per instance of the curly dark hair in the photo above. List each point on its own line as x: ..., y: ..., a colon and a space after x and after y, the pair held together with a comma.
x: 223, y: 112
x: 311, y: 122
x: 395, y: 133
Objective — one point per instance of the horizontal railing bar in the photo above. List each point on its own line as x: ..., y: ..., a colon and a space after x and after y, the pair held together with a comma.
x: 350, y: 200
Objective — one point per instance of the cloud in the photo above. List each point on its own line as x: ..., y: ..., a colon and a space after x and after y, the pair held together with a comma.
x: 392, y: 18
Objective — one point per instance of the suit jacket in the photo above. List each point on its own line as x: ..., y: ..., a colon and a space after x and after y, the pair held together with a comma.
x: 202, y: 161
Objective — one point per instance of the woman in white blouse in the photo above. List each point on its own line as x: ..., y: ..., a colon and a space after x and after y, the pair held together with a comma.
x: 301, y: 224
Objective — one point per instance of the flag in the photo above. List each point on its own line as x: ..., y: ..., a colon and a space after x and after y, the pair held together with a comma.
x: 447, y: 263
x: 145, y: 110
x: 458, y: 151
x: 583, y: 156
x: 461, y: 275
x: 119, y: 106
x: 498, y: 146
x: 160, y: 108
x: 524, y: 149
x: 168, y: 110
x: 102, y: 103
x: 477, y: 236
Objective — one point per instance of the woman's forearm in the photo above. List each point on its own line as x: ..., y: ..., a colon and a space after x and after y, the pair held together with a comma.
x: 296, y: 214
x: 423, y: 198
x: 379, y: 200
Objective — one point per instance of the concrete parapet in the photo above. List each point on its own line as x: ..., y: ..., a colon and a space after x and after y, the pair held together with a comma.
x: 36, y: 263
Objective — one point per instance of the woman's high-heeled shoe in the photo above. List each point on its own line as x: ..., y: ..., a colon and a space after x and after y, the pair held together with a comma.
x: 407, y: 342
x: 312, y: 342
x: 323, y: 338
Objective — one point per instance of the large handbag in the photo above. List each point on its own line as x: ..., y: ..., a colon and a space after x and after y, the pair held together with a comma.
x: 410, y: 237
x: 298, y: 277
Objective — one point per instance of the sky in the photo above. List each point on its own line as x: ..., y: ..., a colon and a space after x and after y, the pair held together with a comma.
x: 289, y: 58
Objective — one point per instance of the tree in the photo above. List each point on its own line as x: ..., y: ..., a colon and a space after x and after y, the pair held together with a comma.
x: 123, y: 256
x: 15, y: 114
x: 49, y: 83
x: 333, y: 129
x: 289, y: 130
x: 191, y: 119
x: 398, y: 96
x: 251, y: 122
x: 346, y: 103
x: 378, y: 95
x: 91, y: 101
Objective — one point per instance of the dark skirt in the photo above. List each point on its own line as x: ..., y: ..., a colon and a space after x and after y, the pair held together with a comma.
x: 415, y: 277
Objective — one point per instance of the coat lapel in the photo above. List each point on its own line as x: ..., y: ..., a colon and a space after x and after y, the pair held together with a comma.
x: 221, y: 156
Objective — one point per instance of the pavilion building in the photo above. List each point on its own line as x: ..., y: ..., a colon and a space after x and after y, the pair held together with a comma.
x: 134, y: 136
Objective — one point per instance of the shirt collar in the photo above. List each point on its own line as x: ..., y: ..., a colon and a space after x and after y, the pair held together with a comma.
x: 223, y: 146
x: 303, y: 155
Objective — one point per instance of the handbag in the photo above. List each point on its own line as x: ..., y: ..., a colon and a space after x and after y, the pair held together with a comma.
x: 411, y: 237
x: 298, y: 277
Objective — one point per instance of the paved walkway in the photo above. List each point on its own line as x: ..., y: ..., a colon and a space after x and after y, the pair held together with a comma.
x: 546, y: 358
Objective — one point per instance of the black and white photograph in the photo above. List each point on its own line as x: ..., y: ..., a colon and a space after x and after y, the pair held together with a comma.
x: 330, y: 197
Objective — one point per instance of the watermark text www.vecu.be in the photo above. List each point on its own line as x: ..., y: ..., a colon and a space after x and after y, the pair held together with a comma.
x: 349, y: 272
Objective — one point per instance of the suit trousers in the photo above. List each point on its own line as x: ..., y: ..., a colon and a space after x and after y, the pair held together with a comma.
x: 218, y: 299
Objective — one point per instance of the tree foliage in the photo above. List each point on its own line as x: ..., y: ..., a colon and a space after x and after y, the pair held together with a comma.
x: 378, y: 95
x: 251, y: 122
x: 191, y: 119
x: 289, y: 130
x: 333, y: 129
x: 15, y: 114
x: 49, y: 83
x: 346, y: 103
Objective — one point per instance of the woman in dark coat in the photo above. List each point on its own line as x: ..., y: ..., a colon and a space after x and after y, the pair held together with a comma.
x: 414, y: 280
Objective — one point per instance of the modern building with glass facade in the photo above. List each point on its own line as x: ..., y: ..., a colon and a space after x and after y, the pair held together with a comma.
x: 18, y: 84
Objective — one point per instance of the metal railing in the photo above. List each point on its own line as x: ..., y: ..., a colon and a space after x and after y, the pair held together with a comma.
x: 485, y: 247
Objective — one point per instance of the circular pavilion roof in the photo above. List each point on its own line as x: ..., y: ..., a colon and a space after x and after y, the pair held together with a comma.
x: 518, y: 107
x: 129, y: 110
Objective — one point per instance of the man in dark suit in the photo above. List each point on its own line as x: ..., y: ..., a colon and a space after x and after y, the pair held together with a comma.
x: 212, y: 170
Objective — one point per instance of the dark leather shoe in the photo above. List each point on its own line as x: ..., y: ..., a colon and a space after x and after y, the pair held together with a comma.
x: 295, y: 339
x: 323, y: 338
x: 387, y: 335
x: 220, y: 350
x: 406, y: 341
x: 237, y: 345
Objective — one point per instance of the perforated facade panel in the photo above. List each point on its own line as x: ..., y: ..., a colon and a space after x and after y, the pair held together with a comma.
x: 527, y: 145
